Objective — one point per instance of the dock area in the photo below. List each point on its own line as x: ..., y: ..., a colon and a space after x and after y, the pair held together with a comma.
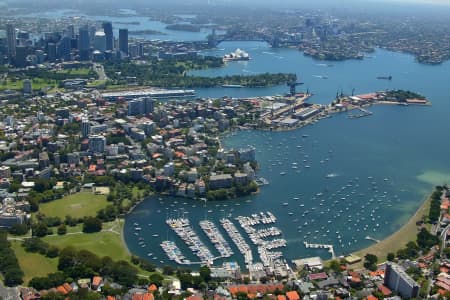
x: 363, y: 113
x: 238, y: 240
x: 216, y: 238
x: 323, y: 246
x: 372, y: 239
x: 184, y: 230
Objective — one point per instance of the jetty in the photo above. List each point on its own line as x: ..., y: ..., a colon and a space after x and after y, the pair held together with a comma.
x: 363, y: 113
x: 372, y: 239
x: 184, y: 230
x: 258, y: 237
x: 322, y: 246
x: 238, y: 240
x: 216, y: 238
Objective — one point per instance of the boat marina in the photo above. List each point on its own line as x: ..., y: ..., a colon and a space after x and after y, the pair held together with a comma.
x: 216, y: 238
x: 183, y: 229
x: 258, y: 228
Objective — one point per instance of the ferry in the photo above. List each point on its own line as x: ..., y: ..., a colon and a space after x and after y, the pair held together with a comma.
x: 232, y: 86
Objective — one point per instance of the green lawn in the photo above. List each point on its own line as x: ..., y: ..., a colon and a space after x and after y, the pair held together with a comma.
x: 105, y: 243
x: 37, y: 83
x: 100, y: 243
x: 79, y: 71
x: 76, y: 205
x: 33, y: 264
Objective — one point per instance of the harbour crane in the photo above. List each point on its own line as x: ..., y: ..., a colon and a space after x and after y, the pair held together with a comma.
x: 292, y: 86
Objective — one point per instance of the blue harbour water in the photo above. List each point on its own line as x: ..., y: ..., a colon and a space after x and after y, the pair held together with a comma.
x: 132, y: 22
x: 382, y: 166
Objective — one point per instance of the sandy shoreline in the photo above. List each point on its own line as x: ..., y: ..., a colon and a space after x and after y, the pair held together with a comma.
x: 400, y: 238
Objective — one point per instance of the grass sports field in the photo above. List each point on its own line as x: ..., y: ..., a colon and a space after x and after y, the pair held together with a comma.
x: 76, y: 205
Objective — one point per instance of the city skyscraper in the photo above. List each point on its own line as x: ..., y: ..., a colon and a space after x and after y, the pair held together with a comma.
x: 108, y: 30
x: 51, y: 52
x: 70, y: 31
x: 64, y: 48
x: 83, y: 43
x: 123, y: 40
x: 100, y: 41
x: 85, y: 127
x: 20, y: 60
x: 11, y: 39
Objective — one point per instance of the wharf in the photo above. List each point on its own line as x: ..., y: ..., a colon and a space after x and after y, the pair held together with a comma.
x: 216, y: 238
x: 372, y: 239
x: 364, y: 113
x: 238, y: 240
x: 323, y: 246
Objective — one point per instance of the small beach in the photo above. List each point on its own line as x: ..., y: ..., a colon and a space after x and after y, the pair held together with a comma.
x: 400, y: 238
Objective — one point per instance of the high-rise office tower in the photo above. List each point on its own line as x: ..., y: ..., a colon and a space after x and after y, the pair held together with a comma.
x: 70, y: 31
x: 108, y: 30
x: 27, y: 87
x: 51, y: 52
x: 11, y: 39
x: 85, y: 127
x: 83, y: 43
x: 20, y: 59
x: 100, y: 41
x: 123, y: 40
x: 64, y: 48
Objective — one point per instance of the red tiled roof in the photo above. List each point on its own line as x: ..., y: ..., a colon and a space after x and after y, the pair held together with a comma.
x: 317, y: 276
x: 138, y: 297
x: 384, y: 290
x: 62, y: 290
x: 444, y: 280
x: 96, y: 280
x: 293, y: 295
x: 371, y: 297
x: 67, y: 287
x: 281, y: 297
x: 152, y: 288
x: 148, y: 296
x: 443, y: 285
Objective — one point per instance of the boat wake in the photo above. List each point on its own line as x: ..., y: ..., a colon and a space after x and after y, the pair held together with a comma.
x: 332, y: 175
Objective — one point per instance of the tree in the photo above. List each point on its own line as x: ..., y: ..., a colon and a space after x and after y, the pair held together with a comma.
x: 205, y: 273
x: 18, y: 229
x: 156, y: 279
x: 40, y: 229
x: 62, y: 229
x: 390, y: 256
x: 335, y: 266
x: 124, y: 273
x: 425, y: 240
x: 370, y: 262
x: 91, y: 224
x: 52, y: 252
